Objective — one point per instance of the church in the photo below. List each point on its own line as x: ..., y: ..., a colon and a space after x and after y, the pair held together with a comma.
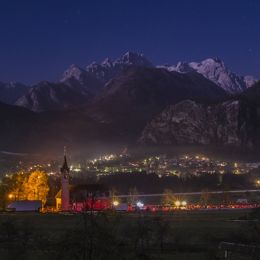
x: 83, y: 197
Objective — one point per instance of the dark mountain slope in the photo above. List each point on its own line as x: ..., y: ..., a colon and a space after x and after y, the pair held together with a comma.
x: 54, y: 96
x: 138, y: 94
x: 232, y: 123
x: 24, y: 130
x: 118, y: 114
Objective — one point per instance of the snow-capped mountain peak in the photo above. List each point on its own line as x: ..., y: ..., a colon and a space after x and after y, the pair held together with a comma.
x: 108, y: 69
x: 107, y: 62
x: 132, y: 58
x: 73, y: 72
x: 183, y: 67
x: 210, y: 65
x: 76, y: 77
x: 249, y: 80
x: 215, y: 70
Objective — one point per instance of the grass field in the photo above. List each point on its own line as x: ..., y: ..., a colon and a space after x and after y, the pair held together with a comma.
x: 173, y: 235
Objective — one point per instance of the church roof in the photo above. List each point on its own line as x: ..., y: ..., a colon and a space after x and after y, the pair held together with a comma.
x: 65, y: 167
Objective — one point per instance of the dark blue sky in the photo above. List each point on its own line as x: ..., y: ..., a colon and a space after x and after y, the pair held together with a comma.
x: 41, y: 38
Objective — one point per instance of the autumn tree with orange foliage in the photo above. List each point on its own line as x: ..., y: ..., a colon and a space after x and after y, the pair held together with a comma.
x: 36, y: 187
x: 28, y: 186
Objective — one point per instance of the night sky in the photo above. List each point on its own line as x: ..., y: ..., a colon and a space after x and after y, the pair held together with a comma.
x: 41, y: 38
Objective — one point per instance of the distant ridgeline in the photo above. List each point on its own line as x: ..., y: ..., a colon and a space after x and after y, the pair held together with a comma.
x: 131, y: 101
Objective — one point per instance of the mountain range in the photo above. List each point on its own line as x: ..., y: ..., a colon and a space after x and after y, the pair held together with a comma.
x: 215, y: 70
x: 130, y: 101
x: 85, y: 84
x: 108, y: 69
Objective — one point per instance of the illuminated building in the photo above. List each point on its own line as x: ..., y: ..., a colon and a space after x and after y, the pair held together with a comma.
x: 86, y: 197
x: 65, y: 194
x: 80, y: 197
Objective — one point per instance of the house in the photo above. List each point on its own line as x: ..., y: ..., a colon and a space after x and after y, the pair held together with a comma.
x: 80, y: 197
x: 25, y: 206
x: 85, y: 197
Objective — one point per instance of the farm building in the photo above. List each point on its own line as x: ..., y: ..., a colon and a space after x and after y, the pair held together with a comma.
x: 25, y: 206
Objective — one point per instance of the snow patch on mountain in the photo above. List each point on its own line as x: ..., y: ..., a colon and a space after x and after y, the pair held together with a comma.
x: 73, y: 72
x: 249, y: 80
x: 108, y: 69
x: 215, y: 70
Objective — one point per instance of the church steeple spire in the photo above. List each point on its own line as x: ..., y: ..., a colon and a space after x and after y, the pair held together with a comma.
x: 65, y: 167
x: 65, y: 194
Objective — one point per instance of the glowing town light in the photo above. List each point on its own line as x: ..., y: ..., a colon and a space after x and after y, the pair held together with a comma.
x: 139, y: 204
x: 10, y: 196
x: 115, y: 203
x: 177, y: 203
x: 184, y: 203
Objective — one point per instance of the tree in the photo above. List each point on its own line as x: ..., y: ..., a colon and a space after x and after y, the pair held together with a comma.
x: 18, y: 181
x: 133, y: 196
x: 26, y: 186
x: 168, y: 197
x: 204, y: 198
x: 226, y: 200
x: 12, y: 188
x: 113, y: 197
x: 36, y: 187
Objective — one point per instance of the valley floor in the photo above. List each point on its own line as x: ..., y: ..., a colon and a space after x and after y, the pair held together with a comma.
x: 141, y: 235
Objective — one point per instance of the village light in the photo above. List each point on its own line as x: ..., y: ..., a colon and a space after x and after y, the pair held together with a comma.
x: 115, y: 203
x: 139, y: 204
x: 177, y: 203
x: 184, y: 203
x: 10, y: 196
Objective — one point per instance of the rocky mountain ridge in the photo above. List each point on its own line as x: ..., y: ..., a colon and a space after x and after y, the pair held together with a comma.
x: 109, y: 69
x: 54, y: 96
x: 234, y: 123
x: 215, y: 70
x: 90, y: 82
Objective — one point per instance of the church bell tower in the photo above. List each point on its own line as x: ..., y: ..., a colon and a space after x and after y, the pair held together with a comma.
x: 65, y: 194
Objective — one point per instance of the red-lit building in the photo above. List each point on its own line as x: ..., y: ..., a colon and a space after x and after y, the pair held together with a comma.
x: 86, y: 197
x: 80, y: 197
